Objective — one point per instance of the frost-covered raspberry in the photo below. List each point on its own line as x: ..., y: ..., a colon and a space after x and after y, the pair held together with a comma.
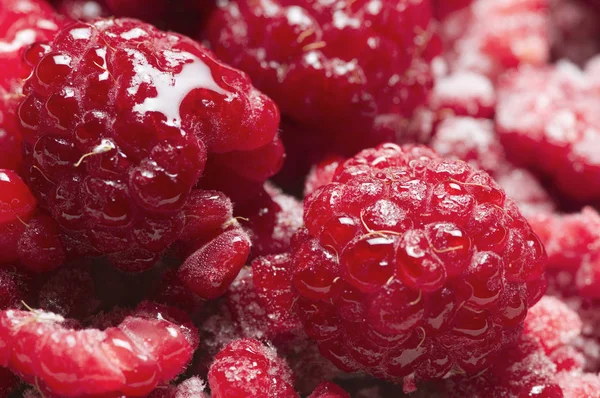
x: 144, y: 350
x: 247, y: 368
x: 546, y: 119
x: 463, y: 93
x: 492, y: 36
x: 14, y: 287
x: 412, y: 266
x: 120, y: 121
x: 193, y: 387
x: 475, y: 141
x: 350, y: 72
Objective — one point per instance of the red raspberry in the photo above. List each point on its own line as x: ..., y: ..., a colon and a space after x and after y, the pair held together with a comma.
x: 579, y: 386
x: 495, y: 35
x: 463, y: 93
x: 247, y: 368
x: 146, y: 349
x: 321, y: 174
x: 190, y: 388
x: 575, y: 28
x: 445, y: 7
x: 84, y: 10
x: 547, y: 120
x: 21, y: 23
x: 475, y: 141
x: 351, y: 72
x: 412, y: 265
x: 328, y: 389
x: 271, y: 219
x: 119, y: 120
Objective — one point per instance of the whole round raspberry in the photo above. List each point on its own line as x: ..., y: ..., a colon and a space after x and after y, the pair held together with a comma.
x: 247, y: 368
x: 120, y: 121
x: 353, y: 71
x: 412, y: 266
x: 546, y: 119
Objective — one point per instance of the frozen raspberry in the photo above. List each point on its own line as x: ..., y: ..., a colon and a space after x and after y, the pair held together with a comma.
x: 190, y: 388
x: 495, y: 35
x: 40, y: 248
x: 351, y: 73
x: 321, y: 174
x: 463, y: 93
x: 170, y: 290
x: 84, y: 10
x: 14, y: 288
x: 17, y: 207
x: 21, y: 23
x: 69, y: 293
x: 328, y: 389
x: 547, y: 121
x: 271, y: 218
x: 144, y: 350
x: 579, y: 385
x: 247, y: 368
x: 575, y: 30
x: 413, y: 266
x: 475, y: 141
x: 118, y: 122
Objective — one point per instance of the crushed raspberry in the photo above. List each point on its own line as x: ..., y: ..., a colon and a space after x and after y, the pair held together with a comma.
x: 193, y: 387
x: 121, y: 359
x: 546, y: 120
x: 83, y: 10
x: 341, y: 69
x: 116, y: 168
x: 492, y: 36
x: 271, y: 218
x: 412, y: 266
x: 247, y: 368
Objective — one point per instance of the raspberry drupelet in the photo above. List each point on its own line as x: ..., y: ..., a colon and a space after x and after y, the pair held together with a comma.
x: 351, y: 72
x: 412, y: 266
x: 547, y: 120
x: 120, y: 121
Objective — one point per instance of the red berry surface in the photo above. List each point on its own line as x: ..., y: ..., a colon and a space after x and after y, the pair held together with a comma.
x: 329, y: 390
x: 193, y: 387
x: 547, y: 121
x: 120, y: 122
x: 351, y: 72
x: 146, y: 349
x: 247, y: 368
x: 413, y: 266
x: 84, y: 10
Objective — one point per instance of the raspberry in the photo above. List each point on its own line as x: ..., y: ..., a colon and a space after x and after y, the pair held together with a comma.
x: 272, y: 218
x: 84, y: 10
x: 474, y: 141
x: 575, y: 30
x: 328, y: 389
x: 21, y: 23
x: 579, y: 386
x: 247, y: 368
x: 69, y: 293
x: 17, y: 207
x: 39, y: 247
x: 412, y: 266
x: 190, y: 388
x: 492, y: 36
x: 546, y: 120
x: 144, y: 350
x: 345, y: 96
x: 463, y: 93
x: 321, y: 174
x: 120, y: 121
x: 445, y: 7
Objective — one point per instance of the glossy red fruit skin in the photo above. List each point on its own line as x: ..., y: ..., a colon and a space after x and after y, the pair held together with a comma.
x: 413, y: 265
x: 120, y: 121
x: 144, y: 350
x: 22, y: 22
x: 17, y: 207
x: 554, y: 140
x: 248, y: 368
x: 341, y: 69
x: 328, y: 389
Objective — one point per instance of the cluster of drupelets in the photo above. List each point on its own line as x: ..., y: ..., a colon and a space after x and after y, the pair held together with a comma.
x: 288, y: 198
